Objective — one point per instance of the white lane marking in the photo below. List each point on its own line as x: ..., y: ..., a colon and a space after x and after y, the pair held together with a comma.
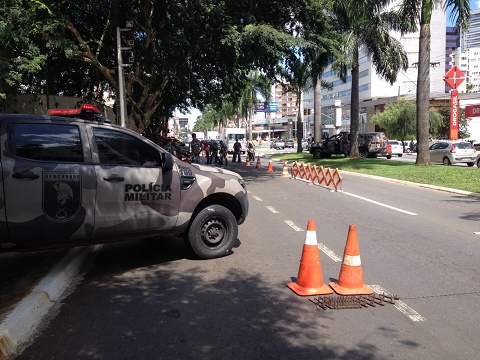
x: 379, y: 203
x: 272, y: 209
x: 476, y: 233
x: 400, y: 305
x: 257, y: 198
x: 329, y: 252
x: 293, y: 226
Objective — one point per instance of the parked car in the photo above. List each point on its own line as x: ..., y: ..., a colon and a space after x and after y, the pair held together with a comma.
x: 396, y: 147
x: 305, y: 145
x: 277, y: 144
x: 289, y: 143
x: 449, y: 152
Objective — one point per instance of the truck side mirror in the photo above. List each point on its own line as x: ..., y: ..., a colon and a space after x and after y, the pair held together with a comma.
x: 166, y: 160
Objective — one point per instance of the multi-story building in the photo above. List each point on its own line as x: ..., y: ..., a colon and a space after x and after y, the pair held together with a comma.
x: 471, y: 37
x: 282, y: 122
x: 372, y: 87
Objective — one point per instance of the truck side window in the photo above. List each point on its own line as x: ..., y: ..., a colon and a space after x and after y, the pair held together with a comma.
x: 47, y: 142
x: 117, y: 148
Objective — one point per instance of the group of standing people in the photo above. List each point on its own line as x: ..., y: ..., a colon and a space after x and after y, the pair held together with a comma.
x: 214, y: 152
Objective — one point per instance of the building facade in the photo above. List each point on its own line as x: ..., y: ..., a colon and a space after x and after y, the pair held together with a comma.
x: 372, y: 87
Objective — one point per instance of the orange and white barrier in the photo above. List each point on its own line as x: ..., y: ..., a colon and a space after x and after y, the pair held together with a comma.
x: 317, y: 176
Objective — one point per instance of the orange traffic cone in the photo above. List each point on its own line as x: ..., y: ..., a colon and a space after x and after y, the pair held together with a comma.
x: 270, y: 166
x: 258, y: 163
x: 285, y: 169
x: 350, y: 280
x: 310, y: 280
x: 247, y: 161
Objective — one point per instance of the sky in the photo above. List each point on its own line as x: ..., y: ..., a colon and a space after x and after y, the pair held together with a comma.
x: 474, y: 5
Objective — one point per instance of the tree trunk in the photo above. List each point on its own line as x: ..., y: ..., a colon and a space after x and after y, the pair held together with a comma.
x: 299, y: 132
x: 317, y: 110
x: 423, y: 97
x: 354, y: 108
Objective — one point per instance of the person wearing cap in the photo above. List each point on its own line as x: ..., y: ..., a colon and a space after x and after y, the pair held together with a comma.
x: 195, y: 149
x: 223, y: 153
x: 237, y: 147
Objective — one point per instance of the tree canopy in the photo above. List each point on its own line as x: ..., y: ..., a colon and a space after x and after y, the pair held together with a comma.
x: 186, y: 53
x: 399, y: 120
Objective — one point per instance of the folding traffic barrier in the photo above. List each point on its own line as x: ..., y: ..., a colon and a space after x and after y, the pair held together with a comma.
x: 270, y: 166
x: 310, y: 279
x: 294, y: 170
x: 350, y: 280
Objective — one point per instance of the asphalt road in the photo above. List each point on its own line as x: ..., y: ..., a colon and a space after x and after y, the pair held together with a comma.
x: 154, y: 300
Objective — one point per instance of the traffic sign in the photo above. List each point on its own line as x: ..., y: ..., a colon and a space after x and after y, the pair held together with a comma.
x: 454, y: 77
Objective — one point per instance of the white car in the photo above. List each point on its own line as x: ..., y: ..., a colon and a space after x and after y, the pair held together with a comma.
x: 396, y: 147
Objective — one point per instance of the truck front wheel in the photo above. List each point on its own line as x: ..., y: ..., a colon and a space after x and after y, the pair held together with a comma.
x: 213, y: 232
x: 317, y: 154
x: 362, y: 152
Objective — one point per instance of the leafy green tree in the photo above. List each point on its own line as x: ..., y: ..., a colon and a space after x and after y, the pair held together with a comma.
x: 298, y: 77
x: 418, y: 13
x: 254, y: 85
x: 186, y: 53
x: 23, y: 34
x: 443, y: 131
x: 367, y: 24
x: 319, y: 47
x: 399, y: 120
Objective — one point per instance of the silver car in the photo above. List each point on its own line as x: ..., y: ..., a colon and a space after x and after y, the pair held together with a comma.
x: 450, y: 152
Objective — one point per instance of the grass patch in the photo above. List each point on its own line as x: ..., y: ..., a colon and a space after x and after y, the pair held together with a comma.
x: 455, y: 177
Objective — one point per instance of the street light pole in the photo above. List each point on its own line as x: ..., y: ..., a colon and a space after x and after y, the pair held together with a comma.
x: 121, y: 86
x: 121, y: 82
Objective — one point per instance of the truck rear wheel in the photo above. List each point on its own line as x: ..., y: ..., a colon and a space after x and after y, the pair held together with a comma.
x: 213, y: 232
x: 362, y: 152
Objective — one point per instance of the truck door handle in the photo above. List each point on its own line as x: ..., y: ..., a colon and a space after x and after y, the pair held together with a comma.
x: 114, y: 177
x: 25, y: 175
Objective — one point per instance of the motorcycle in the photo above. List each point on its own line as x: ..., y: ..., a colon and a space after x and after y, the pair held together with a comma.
x: 251, y: 155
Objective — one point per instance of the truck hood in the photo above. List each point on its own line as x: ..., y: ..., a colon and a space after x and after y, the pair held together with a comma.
x: 216, y: 170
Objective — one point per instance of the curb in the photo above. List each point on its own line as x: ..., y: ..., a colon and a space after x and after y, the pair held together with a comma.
x: 434, y: 187
x: 21, y: 323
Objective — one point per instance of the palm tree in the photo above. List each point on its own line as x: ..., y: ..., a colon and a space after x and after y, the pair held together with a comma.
x: 255, y: 84
x: 298, y: 76
x: 367, y: 25
x: 419, y: 12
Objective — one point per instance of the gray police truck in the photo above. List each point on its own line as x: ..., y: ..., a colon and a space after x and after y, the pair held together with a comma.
x: 72, y: 178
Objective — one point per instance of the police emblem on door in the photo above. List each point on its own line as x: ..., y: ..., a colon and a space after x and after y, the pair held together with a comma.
x: 62, y: 194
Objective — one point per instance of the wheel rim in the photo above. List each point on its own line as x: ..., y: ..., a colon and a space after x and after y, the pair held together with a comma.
x: 213, y: 232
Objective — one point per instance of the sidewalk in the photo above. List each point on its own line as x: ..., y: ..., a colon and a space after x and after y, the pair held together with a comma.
x: 44, y: 278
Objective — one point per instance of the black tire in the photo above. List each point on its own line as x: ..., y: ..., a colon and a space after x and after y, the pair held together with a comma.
x: 400, y: 155
x: 470, y: 164
x: 478, y: 162
x: 317, y: 154
x: 362, y: 152
x: 446, y: 161
x: 213, y: 232
x: 389, y: 156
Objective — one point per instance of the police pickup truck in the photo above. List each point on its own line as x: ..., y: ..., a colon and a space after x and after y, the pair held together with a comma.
x: 72, y: 178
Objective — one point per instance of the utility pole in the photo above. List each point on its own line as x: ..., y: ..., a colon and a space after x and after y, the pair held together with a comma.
x: 121, y: 83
